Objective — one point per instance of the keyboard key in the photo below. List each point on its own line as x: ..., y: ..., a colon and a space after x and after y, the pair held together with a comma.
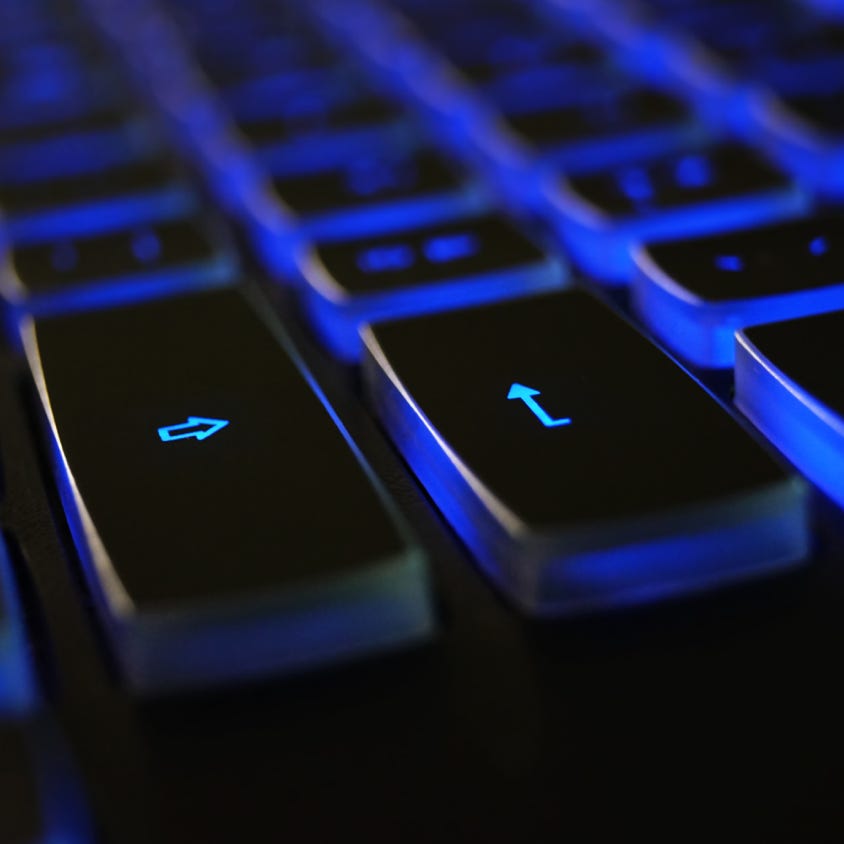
x: 604, y: 215
x: 378, y: 192
x: 231, y: 547
x: 110, y: 198
x: 695, y: 293
x: 419, y: 271
x: 41, y: 797
x: 788, y: 384
x: 568, y: 452
x: 116, y: 267
x: 16, y: 678
x: 603, y: 126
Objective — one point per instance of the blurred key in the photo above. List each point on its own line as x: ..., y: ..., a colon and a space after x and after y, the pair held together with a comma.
x: 695, y: 293
x: 230, y: 549
x: 378, y: 192
x: 603, y: 215
x: 788, y: 382
x: 144, y: 261
x: 421, y: 270
x: 565, y: 449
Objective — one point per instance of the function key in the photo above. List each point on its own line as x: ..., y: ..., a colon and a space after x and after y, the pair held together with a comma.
x: 788, y: 382
x: 602, y: 215
x: 421, y: 270
x: 568, y: 452
x: 144, y: 261
x: 695, y: 293
x: 246, y: 536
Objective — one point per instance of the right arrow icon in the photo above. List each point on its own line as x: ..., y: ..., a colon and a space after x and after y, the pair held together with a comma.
x: 526, y: 394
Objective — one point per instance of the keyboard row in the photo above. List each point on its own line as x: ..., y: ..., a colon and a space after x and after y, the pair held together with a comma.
x: 575, y: 485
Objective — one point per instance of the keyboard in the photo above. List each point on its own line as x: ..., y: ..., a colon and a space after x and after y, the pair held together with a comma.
x: 421, y: 420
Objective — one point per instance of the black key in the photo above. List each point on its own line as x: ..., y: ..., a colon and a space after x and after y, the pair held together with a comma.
x: 611, y: 125
x: 788, y: 382
x: 140, y: 262
x: 39, y: 790
x: 419, y: 271
x: 604, y: 215
x: 212, y: 500
x: 695, y: 293
x: 377, y: 192
x: 16, y: 677
x: 579, y: 463
x: 124, y: 194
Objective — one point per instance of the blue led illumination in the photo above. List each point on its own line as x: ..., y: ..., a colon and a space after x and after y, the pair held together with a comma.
x: 196, y: 427
x: 604, y: 246
x: 729, y: 263
x: 16, y: 677
x: 451, y: 247
x: 611, y: 565
x: 702, y: 332
x: 527, y: 395
x: 394, y: 216
x: 176, y: 200
x: 809, y: 434
x: 120, y: 290
x: 337, y: 317
x: 380, y: 259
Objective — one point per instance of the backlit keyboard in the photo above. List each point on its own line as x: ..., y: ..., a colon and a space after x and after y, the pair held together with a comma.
x: 391, y: 389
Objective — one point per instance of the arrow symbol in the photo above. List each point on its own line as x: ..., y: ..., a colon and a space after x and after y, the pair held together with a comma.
x: 197, y: 427
x: 526, y: 394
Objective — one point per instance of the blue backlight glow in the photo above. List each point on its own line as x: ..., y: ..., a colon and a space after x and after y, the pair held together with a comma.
x: 196, y: 427
x: 528, y: 396
x: 451, y: 247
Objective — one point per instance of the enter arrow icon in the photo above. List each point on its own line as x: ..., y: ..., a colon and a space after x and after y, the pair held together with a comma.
x: 196, y: 427
x: 526, y: 394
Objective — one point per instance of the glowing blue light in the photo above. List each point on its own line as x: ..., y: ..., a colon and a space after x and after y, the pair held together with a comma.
x: 526, y: 394
x: 636, y: 184
x: 729, y: 263
x: 819, y: 246
x: 16, y: 680
x: 146, y: 246
x: 379, y: 259
x: 451, y: 247
x: 808, y: 434
x: 693, y: 172
x: 196, y: 427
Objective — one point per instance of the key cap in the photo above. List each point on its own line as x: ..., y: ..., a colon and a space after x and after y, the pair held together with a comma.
x: 788, y: 384
x: 16, y: 678
x: 41, y: 798
x: 604, y: 215
x: 612, y: 125
x: 419, y: 271
x: 110, y: 198
x: 695, y: 293
x: 582, y: 467
x: 210, y: 496
x: 378, y: 192
x: 118, y: 267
